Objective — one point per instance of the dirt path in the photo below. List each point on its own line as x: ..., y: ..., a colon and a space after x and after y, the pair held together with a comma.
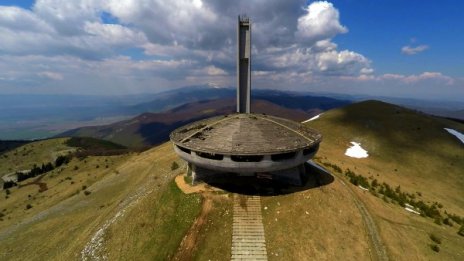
x: 379, y: 253
x: 189, y: 242
x: 42, y: 185
x: 189, y: 189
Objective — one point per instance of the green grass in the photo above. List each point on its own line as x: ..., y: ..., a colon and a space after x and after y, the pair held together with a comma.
x: 174, y: 215
x: 149, y: 228
x: 155, y: 229
x: 38, y: 152
x: 215, y: 240
x: 88, y: 143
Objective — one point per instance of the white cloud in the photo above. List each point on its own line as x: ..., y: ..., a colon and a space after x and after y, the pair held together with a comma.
x: 344, y: 62
x: 113, y: 35
x: 212, y: 70
x: 67, y: 17
x: 183, y: 22
x: 320, y: 22
x: 15, y: 18
x: 156, y: 44
x: 51, y: 75
x: 409, y: 50
x: 436, y: 76
x: 412, y: 79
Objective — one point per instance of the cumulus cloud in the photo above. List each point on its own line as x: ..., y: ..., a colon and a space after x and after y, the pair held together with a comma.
x: 406, y: 80
x: 425, y: 76
x: 320, y: 22
x: 152, y: 45
x: 295, y: 38
x: 409, y: 50
x: 51, y: 75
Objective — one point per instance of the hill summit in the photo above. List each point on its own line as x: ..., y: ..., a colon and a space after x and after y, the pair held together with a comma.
x: 403, y: 201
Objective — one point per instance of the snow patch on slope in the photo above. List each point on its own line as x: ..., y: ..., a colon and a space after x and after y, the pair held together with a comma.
x: 456, y: 133
x: 313, y: 118
x: 356, y: 151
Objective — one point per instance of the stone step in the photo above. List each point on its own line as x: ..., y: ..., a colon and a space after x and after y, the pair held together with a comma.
x: 248, y: 241
x: 248, y: 252
x: 261, y: 247
x: 248, y: 246
x: 247, y: 229
x: 251, y: 234
x: 250, y: 256
x: 248, y: 238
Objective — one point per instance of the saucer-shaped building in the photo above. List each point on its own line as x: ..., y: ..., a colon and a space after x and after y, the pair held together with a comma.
x: 245, y: 143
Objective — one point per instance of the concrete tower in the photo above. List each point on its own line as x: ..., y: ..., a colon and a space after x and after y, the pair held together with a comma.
x: 243, y: 64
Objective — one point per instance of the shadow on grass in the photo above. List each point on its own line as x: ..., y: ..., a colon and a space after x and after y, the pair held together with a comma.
x: 8, y: 145
x: 312, y: 178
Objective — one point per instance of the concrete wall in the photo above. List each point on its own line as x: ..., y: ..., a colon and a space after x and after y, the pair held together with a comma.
x: 228, y: 165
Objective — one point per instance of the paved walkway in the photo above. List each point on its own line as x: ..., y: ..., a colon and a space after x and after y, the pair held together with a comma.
x: 248, y: 241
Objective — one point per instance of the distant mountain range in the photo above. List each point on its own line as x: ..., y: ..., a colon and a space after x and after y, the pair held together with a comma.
x: 42, y: 116
x: 149, y: 129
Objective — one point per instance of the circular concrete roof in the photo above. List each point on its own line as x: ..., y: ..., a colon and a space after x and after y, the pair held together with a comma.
x: 245, y: 134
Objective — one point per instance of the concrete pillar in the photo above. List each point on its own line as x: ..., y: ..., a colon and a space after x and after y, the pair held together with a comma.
x: 243, y: 64
x: 194, y: 174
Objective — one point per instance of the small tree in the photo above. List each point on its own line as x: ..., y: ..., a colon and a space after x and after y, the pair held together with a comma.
x: 447, y: 221
x: 59, y: 161
x: 461, y: 231
x: 174, y: 166
x: 435, y: 238
x: 435, y: 248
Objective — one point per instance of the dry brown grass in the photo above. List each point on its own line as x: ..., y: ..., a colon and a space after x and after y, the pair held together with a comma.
x: 24, y: 157
x: 61, y: 223
x: 405, y: 149
x: 320, y: 223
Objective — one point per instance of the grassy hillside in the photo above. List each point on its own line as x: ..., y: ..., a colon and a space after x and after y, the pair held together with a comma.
x: 124, y: 206
x: 25, y: 156
x: 7, y: 145
x: 128, y: 207
x: 410, y: 152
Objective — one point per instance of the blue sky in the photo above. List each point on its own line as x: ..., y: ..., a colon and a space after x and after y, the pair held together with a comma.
x: 394, y: 48
x: 379, y: 28
x: 20, y: 3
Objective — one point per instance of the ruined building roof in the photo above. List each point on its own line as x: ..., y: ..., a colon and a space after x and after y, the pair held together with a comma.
x: 245, y: 134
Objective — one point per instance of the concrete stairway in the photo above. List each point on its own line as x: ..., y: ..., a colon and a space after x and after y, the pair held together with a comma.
x: 248, y: 241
